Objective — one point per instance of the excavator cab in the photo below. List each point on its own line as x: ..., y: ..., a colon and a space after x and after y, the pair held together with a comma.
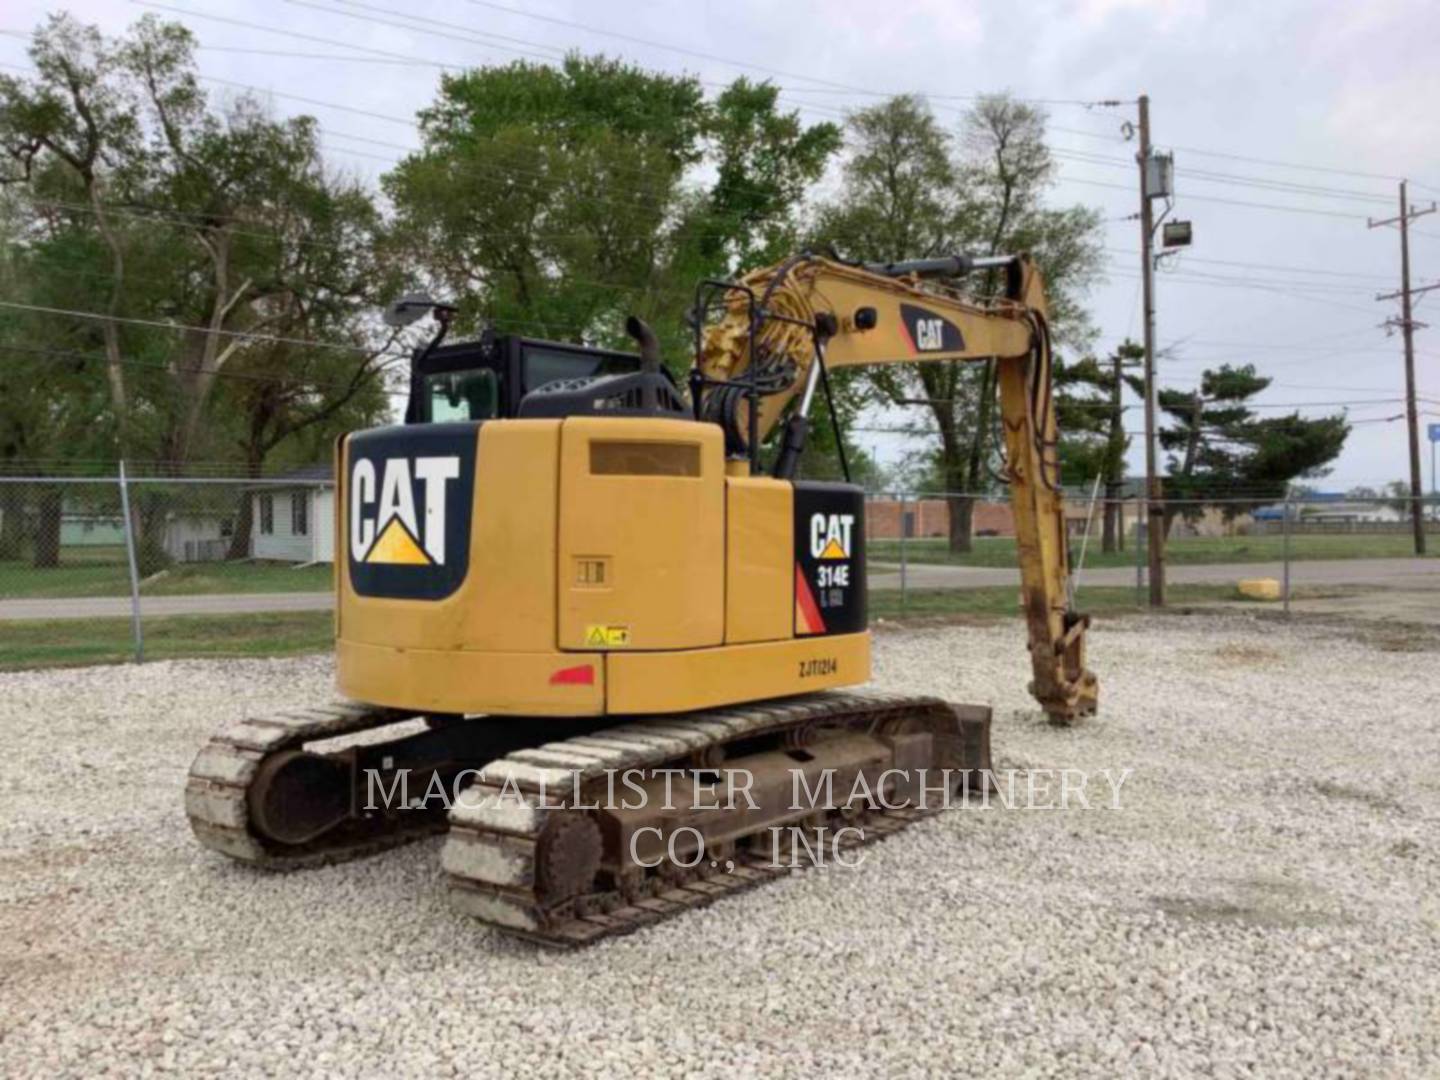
x: 487, y: 379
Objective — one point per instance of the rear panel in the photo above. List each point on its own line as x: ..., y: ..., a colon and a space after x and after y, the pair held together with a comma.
x: 642, y: 534
x: 759, y: 569
x: 499, y: 520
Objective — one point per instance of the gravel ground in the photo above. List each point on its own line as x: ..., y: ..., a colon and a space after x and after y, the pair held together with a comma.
x: 1264, y: 903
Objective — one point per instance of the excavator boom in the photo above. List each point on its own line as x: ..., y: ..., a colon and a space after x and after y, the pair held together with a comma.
x: 781, y: 328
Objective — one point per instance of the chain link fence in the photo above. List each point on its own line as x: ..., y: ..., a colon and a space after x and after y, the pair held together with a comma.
x: 91, y: 567
x: 105, y: 567
x: 956, y: 553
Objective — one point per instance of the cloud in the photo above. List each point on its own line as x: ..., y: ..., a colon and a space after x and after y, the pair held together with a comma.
x: 1163, y: 16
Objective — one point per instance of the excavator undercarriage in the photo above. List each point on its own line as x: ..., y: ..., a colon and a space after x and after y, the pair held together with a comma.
x: 593, y: 834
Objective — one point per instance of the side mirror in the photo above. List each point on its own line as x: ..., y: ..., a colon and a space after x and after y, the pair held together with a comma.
x: 413, y: 307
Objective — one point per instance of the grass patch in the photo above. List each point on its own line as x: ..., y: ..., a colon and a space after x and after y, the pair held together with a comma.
x: 1004, y: 600
x: 1180, y: 551
x: 27, y: 643
x: 87, y: 576
x: 1235, y: 655
x: 61, y: 642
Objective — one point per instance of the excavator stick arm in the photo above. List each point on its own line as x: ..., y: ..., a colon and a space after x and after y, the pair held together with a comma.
x: 905, y: 313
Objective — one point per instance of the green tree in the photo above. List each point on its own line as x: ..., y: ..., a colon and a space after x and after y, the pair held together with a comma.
x: 51, y: 388
x: 1220, y: 451
x: 911, y: 190
x: 765, y: 161
x: 555, y: 201
x: 151, y: 207
x: 1092, y: 429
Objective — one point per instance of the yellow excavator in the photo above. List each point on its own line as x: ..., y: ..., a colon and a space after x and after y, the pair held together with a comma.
x: 565, y: 567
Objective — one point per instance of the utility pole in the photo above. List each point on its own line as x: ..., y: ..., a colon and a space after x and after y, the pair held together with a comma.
x: 1114, y: 454
x: 1126, y: 355
x: 1154, y: 507
x: 1407, y: 326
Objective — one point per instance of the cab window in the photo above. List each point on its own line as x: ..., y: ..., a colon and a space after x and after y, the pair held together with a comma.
x: 462, y: 395
x: 544, y: 365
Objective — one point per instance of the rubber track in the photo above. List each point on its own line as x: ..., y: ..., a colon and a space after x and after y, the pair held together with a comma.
x: 489, y: 855
x: 222, y: 771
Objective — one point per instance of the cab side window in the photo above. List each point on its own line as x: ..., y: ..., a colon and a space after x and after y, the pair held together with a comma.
x: 462, y: 395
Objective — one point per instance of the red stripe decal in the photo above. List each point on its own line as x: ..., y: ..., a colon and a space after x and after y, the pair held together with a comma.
x: 805, y: 600
x: 905, y: 329
x: 584, y: 675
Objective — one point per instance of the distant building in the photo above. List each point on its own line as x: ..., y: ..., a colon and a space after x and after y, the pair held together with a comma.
x: 890, y: 519
x: 191, y: 535
x: 1329, y: 511
x: 292, y: 519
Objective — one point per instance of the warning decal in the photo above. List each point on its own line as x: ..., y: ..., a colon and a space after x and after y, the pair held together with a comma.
x: 607, y: 637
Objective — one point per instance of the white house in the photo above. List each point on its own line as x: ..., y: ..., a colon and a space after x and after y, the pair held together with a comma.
x: 191, y: 535
x: 198, y: 535
x: 294, y: 521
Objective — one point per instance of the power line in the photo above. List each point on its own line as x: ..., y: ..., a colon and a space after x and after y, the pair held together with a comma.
x: 502, y: 326
x: 1233, y: 284
x: 1197, y: 279
x: 1214, y: 343
x: 598, y: 200
x: 184, y: 328
x: 1284, y: 164
x: 1231, y: 202
x: 830, y: 85
x: 1086, y: 157
x: 739, y: 63
x: 551, y: 56
x: 1187, y: 257
x: 1337, y: 389
x: 1317, y: 288
x: 222, y: 373
x: 300, y: 36
x: 1215, y: 177
x: 448, y: 26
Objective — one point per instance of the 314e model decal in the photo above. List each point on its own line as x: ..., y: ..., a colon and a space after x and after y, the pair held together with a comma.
x: 829, y: 559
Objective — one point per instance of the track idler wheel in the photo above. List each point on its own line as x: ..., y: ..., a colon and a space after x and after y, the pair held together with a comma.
x: 568, y: 857
x: 296, y: 796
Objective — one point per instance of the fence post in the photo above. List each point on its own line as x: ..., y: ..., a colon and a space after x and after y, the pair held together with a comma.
x: 1140, y: 557
x: 904, y: 599
x: 1285, y: 552
x: 134, y: 571
x: 1074, y: 579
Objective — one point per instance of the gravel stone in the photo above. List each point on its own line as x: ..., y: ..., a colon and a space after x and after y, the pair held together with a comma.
x: 1265, y: 901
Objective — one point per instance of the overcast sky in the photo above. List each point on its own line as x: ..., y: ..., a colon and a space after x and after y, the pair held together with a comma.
x: 1288, y: 285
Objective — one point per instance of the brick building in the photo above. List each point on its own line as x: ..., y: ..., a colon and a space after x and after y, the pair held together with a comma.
x: 931, y: 517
